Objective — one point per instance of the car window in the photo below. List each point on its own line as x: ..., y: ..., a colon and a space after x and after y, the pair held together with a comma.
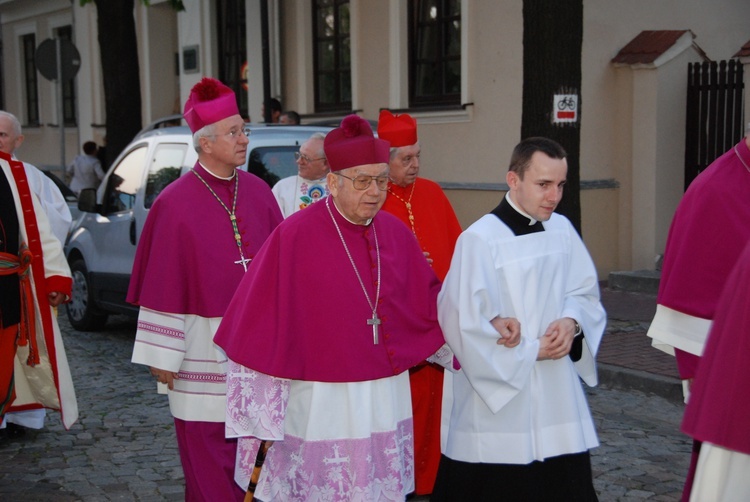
x: 165, y: 167
x: 125, y: 181
x: 272, y: 163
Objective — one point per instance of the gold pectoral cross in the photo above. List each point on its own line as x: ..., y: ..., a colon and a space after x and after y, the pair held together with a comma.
x: 374, y: 322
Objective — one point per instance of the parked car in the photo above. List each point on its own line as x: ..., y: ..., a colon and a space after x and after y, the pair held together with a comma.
x: 102, y: 243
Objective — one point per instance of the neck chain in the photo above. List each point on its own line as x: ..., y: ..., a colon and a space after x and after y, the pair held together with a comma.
x: 374, y: 321
x: 741, y: 159
x: 407, y: 203
x: 232, y: 217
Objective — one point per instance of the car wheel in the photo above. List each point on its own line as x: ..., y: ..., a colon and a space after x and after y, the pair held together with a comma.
x: 82, y: 313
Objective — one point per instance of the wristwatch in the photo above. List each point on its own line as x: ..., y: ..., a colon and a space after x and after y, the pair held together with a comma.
x: 578, y: 328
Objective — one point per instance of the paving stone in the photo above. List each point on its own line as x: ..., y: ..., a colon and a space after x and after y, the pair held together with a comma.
x: 123, y: 447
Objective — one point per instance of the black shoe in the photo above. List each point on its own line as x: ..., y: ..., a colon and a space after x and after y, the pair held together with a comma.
x: 14, y: 430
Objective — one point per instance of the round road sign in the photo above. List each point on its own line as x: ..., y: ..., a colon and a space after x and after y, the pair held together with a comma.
x: 45, y: 58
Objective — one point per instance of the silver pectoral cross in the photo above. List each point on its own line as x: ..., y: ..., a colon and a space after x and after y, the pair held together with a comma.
x: 374, y: 322
x: 243, y: 261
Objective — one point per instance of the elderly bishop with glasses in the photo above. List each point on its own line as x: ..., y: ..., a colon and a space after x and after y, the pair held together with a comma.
x: 325, y: 376
x: 200, y: 235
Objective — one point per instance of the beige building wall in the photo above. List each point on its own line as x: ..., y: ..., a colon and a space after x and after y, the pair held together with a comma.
x: 637, y: 138
x: 44, y: 143
x: 158, y: 31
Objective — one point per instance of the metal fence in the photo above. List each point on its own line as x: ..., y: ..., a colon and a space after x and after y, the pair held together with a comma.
x: 714, y: 113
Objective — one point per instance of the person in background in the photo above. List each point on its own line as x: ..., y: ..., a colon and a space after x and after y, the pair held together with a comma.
x: 220, y: 216
x: 56, y: 209
x: 274, y: 106
x: 101, y: 154
x: 715, y: 209
x: 309, y: 184
x: 85, y: 171
x: 426, y: 211
x: 34, y: 279
x: 515, y: 419
x: 289, y: 118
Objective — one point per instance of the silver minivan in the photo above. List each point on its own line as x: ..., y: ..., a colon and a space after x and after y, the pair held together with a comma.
x: 101, y: 246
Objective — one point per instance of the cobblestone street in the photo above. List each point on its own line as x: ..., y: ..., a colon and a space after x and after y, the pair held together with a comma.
x: 123, y: 446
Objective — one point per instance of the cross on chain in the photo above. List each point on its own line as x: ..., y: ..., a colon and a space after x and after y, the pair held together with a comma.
x: 243, y: 261
x: 374, y: 322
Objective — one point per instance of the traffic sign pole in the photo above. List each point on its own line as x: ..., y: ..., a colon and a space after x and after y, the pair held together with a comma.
x: 58, y: 60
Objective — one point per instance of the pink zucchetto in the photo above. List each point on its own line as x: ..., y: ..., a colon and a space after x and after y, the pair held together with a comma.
x: 353, y: 144
x: 209, y: 102
x: 398, y: 130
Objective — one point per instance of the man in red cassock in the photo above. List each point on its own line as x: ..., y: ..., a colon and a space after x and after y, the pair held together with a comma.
x: 34, y: 278
x: 200, y: 235
x: 426, y: 211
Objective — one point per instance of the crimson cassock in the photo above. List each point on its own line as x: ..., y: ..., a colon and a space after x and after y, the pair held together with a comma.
x: 719, y: 408
x: 309, y: 315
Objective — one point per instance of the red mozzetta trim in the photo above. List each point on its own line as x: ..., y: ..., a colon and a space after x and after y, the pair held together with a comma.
x: 60, y: 284
x: 33, y: 241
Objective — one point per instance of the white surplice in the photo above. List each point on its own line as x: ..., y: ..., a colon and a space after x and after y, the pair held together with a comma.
x: 504, y: 406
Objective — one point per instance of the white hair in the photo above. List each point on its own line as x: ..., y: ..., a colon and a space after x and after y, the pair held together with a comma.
x: 204, y: 131
x: 13, y: 121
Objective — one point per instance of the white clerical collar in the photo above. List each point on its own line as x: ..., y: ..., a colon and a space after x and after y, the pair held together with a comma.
x: 217, y: 176
x: 532, y: 221
x: 347, y: 219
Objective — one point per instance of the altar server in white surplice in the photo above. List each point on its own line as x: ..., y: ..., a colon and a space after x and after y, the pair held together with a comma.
x: 515, y: 419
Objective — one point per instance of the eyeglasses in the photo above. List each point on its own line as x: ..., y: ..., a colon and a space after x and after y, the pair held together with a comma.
x: 232, y: 135
x: 301, y: 156
x: 362, y: 181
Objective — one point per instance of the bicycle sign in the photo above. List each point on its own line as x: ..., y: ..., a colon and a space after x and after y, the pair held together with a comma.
x: 565, y: 108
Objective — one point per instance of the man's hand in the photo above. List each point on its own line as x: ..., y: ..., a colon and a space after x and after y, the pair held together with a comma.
x: 557, y: 340
x: 509, y: 329
x: 55, y: 298
x: 164, y: 376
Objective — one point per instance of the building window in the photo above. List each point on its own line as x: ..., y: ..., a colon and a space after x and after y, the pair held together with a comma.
x: 232, y: 49
x: 68, y: 86
x: 332, y: 55
x: 434, y: 53
x: 28, y: 45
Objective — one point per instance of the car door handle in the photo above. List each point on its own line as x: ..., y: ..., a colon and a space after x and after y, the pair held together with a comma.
x: 132, y: 231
